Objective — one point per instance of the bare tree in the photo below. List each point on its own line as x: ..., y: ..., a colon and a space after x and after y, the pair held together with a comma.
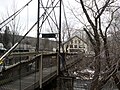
x: 14, y: 26
x: 6, y: 38
x: 67, y: 31
x: 96, y: 12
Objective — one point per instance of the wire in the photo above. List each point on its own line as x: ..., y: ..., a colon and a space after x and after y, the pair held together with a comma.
x: 10, y: 20
x: 54, y: 13
x: 50, y: 25
x: 65, y: 18
x: 48, y: 19
x: 16, y: 44
x: 16, y: 12
x: 27, y: 17
x: 45, y: 9
x: 45, y: 13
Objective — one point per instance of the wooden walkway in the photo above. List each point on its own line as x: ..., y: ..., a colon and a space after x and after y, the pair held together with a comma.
x: 28, y: 82
x: 31, y: 81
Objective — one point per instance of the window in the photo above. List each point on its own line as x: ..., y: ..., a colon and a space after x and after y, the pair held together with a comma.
x: 79, y: 46
x: 75, y: 41
x: 71, y: 46
x: 75, y: 46
x: 71, y: 41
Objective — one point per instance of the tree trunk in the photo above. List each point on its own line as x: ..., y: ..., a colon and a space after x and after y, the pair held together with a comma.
x: 95, y: 82
x: 116, y: 80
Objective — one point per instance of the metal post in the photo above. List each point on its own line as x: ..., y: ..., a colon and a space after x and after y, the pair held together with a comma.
x: 38, y: 33
x: 57, y: 62
x: 59, y: 37
x: 40, y: 72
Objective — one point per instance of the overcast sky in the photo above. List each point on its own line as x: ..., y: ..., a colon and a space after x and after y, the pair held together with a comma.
x: 30, y: 11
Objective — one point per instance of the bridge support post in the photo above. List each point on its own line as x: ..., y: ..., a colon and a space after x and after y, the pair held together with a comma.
x: 57, y: 63
x: 40, y: 72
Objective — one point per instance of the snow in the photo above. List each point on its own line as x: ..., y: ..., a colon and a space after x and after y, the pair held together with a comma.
x: 87, y: 71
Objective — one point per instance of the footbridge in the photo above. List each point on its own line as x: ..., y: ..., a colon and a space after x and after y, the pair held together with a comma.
x: 29, y: 71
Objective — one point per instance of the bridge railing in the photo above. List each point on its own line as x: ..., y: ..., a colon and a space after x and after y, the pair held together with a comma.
x: 16, y: 74
x: 13, y: 74
x: 33, y: 72
x: 47, y: 67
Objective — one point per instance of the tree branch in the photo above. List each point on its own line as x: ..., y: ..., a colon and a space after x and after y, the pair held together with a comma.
x: 110, y: 21
x: 103, y: 8
x: 86, y: 13
x: 90, y: 37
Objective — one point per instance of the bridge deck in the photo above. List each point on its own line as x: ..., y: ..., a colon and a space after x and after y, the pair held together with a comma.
x: 31, y: 81
x: 27, y: 81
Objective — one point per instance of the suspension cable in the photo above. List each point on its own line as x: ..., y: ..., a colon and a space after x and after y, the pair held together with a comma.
x: 52, y: 9
x: 46, y: 11
x: 18, y: 11
x: 65, y: 18
x: 54, y: 14
x: 47, y: 18
x: 10, y: 20
x: 16, y: 44
x: 27, y: 17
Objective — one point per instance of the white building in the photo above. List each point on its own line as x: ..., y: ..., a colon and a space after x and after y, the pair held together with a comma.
x: 75, y: 44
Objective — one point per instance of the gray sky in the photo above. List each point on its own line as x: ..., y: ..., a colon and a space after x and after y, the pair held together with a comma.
x: 30, y: 11
x: 27, y: 22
